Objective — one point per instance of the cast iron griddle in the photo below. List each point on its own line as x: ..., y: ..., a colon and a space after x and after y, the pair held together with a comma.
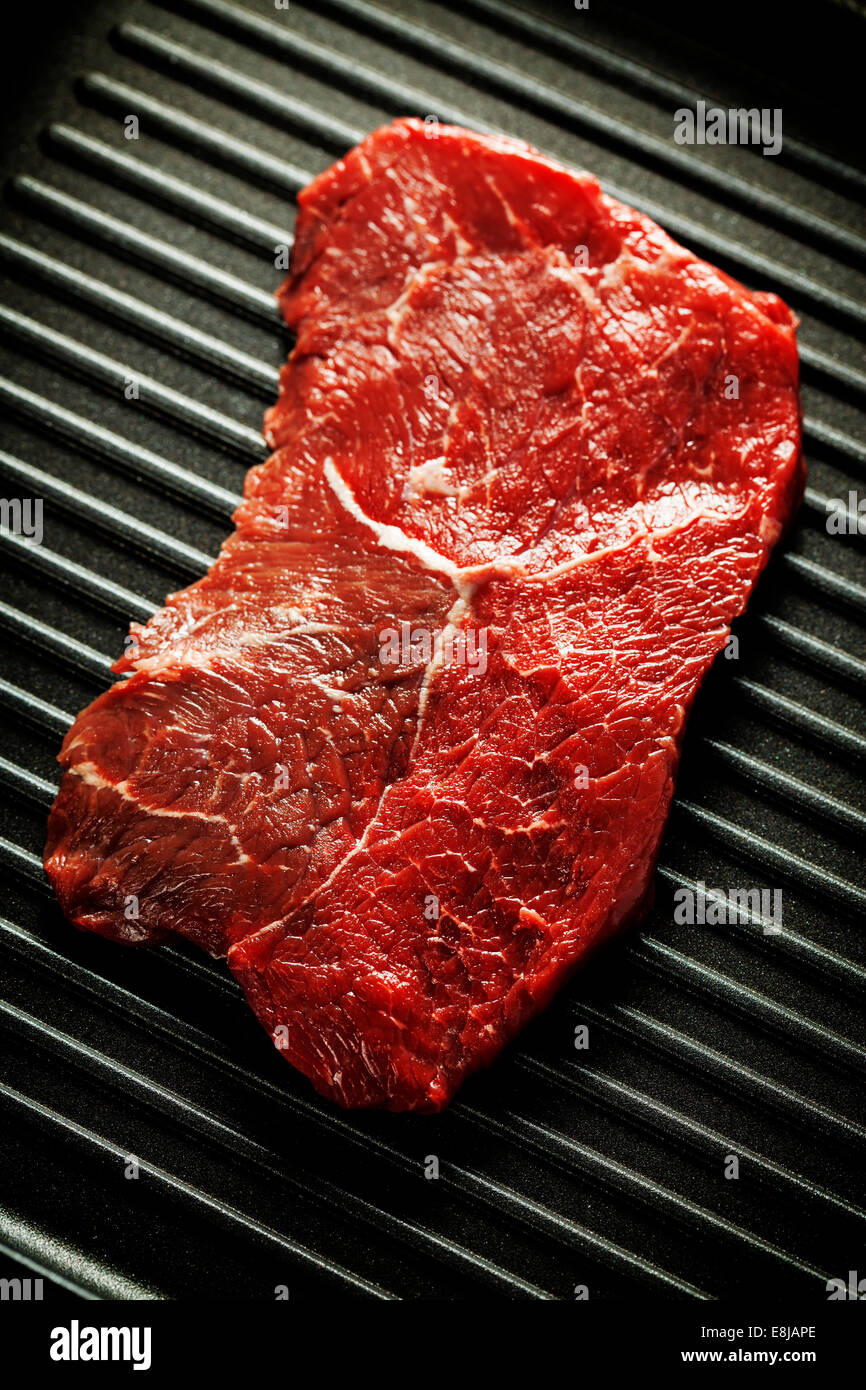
x: 141, y: 344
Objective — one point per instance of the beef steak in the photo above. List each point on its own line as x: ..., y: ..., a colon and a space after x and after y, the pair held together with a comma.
x: 406, y: 753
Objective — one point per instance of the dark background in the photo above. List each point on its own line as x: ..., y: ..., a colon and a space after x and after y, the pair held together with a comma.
x: 807, y: 59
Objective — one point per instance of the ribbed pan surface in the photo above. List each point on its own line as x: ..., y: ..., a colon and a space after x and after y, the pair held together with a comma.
x: 151, y: 261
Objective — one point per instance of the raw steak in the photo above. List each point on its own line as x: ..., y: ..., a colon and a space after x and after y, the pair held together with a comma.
x: 406, y: 753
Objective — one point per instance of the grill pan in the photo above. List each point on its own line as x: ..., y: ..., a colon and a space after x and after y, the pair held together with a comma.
x: 154, y: 1145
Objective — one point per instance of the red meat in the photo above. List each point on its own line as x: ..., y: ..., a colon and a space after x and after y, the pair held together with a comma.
x: 406, y: 753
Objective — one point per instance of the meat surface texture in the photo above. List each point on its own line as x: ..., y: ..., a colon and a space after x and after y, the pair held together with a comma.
x: 406, y: 753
